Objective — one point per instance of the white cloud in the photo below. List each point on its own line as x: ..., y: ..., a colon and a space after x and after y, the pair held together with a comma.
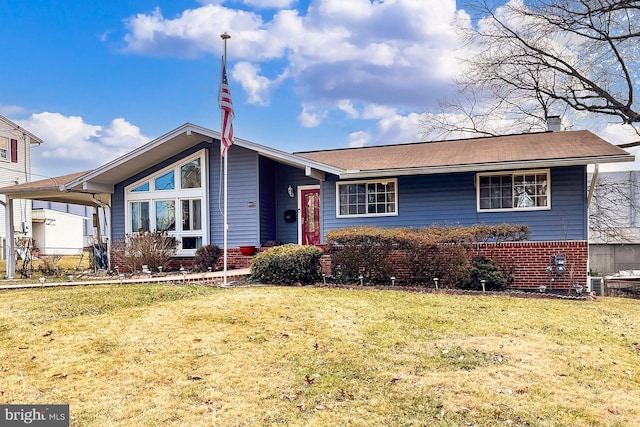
x: 193, y: 32
x: 392, y: 128
x: 310, y: 118
x: 359, y: 139
x: 71, y: 145
x: 391, y: 52
x: 347, y: 107
x: 374, y: 111
x: 397, y: 129
x: 257, y: 88
x: 11, y: 110
x: 270, y: 4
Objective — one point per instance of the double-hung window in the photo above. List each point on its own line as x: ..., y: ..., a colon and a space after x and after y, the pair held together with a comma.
x: 4, y: 148
x: 514, y: 190
x: 172, y: 200
x: 367, y: 198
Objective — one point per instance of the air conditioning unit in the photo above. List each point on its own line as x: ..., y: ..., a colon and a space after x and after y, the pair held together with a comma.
x: 596, y: 284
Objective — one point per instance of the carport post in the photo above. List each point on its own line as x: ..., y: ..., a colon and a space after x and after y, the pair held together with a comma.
x: 11, y: 250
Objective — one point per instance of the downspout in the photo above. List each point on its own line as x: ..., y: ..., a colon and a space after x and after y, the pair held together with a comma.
x: 592, y: 187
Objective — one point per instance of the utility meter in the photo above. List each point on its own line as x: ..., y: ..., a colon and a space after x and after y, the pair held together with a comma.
x: 560, y: 261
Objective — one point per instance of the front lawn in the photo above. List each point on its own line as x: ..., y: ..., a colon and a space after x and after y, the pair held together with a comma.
x: 304, y: 356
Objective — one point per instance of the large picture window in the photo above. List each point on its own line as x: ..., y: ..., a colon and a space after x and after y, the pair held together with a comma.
x: 367, y: 198
x: 517, y: 190
x: 172, y: 200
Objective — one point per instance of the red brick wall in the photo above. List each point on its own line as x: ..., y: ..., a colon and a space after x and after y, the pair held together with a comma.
x: 531, y: 259
x: 234, y: 260
x: 528, y: 261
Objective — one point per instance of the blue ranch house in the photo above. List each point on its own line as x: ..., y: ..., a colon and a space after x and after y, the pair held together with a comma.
x: 174, y: 183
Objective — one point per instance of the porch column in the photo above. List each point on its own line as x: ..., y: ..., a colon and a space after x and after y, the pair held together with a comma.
x: 11, y: 249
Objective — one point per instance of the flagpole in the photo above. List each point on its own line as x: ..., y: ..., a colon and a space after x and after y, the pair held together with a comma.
x: 224, y: 36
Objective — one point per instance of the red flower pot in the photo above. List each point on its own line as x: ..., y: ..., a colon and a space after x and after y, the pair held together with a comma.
x: 247, y: 250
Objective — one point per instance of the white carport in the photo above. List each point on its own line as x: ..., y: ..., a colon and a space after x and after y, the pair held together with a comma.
x: 52, y: 190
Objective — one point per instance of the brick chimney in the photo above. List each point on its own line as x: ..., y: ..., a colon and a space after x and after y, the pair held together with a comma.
x: 554, y: 123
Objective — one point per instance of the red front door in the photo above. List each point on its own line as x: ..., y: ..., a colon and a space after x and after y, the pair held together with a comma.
x: 310, y: 222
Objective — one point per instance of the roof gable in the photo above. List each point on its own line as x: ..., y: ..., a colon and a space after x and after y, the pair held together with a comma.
x: 32, y: 138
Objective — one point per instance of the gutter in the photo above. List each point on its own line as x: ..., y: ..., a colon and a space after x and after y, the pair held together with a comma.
x: 484, y: 167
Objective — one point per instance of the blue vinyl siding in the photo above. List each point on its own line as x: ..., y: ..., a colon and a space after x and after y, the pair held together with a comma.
x: 268, y: 230
x: 243, y: 202
x: 244, y: 226
x: 258, y: 198
x: 450, y: 199
x: 287, y: 175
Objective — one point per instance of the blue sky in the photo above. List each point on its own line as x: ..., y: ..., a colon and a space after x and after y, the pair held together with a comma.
x: 95, y: 79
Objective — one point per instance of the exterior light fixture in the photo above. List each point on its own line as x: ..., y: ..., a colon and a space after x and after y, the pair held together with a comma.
x: 435, y: 280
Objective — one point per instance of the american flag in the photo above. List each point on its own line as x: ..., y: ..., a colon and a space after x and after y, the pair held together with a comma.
x: 224, y: 100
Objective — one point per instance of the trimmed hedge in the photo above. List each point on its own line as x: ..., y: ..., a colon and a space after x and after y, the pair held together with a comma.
x: 442, y: 252
x: 287, y: 264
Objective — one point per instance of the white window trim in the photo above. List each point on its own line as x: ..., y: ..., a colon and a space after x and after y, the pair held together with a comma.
x: 8, y: 150
x: 515, y: 172
x: 367, y: 181
x: 177, y: 195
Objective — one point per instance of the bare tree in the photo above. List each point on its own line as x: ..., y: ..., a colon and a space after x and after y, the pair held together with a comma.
x: 540, y: 58
x: 614, y: 213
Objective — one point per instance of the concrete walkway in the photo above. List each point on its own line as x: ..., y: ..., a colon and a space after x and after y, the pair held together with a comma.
x: 215, y: 278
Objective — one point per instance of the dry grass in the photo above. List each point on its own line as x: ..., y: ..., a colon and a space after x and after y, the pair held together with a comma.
x: 183, y: 355
x: 52, y: 267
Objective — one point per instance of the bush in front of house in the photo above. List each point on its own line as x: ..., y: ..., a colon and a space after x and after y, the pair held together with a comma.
x: 206, y: 257
x: 448, y: 262
x: 365, y: 251
x: 151, y: 248
x: 287, y: 264
x: 418, y: 255
x: 486, y: 269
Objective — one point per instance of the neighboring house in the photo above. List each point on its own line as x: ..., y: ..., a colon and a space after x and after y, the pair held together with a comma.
x: 58, y: 233
x: 174, y: 183
x: 15, y: 168
x: 85, y: 231
x: 614, y: 239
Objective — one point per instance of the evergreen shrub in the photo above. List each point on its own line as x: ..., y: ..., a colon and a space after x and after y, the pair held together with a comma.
x: 287, y: 264
x: 486, y: 269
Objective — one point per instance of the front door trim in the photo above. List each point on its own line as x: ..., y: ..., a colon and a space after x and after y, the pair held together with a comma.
x: 301, y: 211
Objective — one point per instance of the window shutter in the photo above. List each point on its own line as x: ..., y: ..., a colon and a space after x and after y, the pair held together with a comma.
x: 14, y: 151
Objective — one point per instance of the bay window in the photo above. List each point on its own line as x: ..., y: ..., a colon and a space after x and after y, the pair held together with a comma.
x: 172, y: 200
